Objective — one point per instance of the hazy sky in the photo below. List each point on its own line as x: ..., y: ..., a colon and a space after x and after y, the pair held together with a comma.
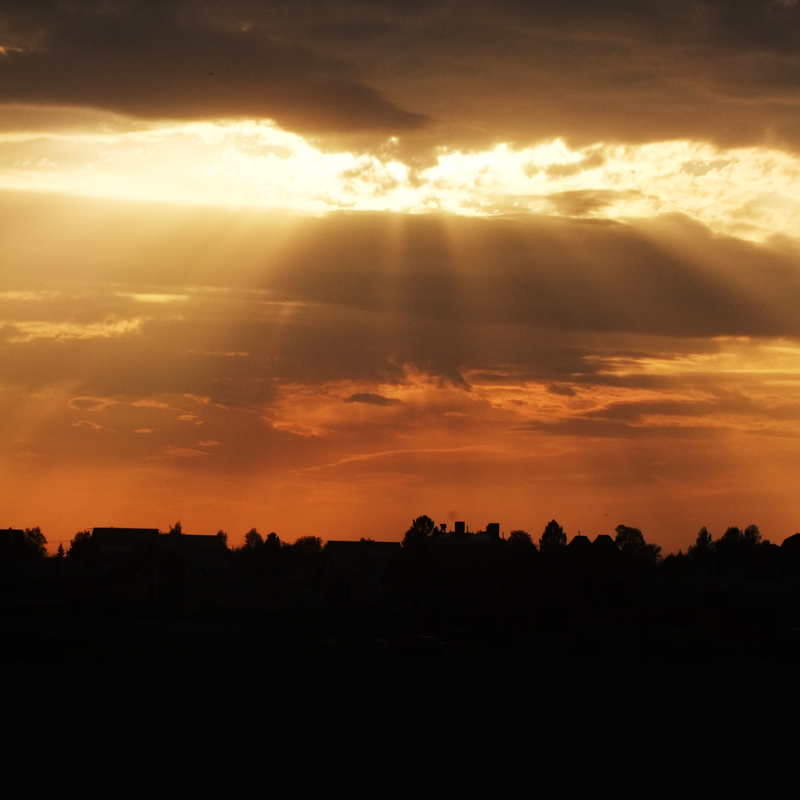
x: 323, y: 267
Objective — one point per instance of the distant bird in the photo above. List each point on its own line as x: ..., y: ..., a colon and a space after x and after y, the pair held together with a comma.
x: 210, y: 73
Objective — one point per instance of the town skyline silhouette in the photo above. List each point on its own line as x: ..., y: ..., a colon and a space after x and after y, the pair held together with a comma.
x: 439, y: 593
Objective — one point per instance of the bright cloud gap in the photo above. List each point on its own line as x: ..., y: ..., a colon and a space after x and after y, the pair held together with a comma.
x: 748, y: 192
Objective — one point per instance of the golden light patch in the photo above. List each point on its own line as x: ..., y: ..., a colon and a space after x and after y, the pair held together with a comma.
x: 778, y: 359
x: 29, y: 331
x: 154, y: 298
x: 748, y: 192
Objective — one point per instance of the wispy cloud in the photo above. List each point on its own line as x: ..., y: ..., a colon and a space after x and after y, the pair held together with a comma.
x: 146, y: 403
x: 27, y: 296
x: 183, y: 452
x: 361, y: 457
x: 85, y: 424
x: 91, y: 403
x: 60, y: 331
x: 154, y: 298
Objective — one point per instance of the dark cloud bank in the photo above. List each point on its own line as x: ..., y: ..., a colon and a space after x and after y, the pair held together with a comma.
x: 458, y: 73
x: 159, y: 61
x: 359, y: 296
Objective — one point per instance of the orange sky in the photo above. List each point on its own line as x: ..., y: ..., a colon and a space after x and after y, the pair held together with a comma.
x: 323, y: 273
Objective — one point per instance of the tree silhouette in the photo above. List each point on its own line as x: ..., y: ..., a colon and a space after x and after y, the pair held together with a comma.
x: 176, y: 529
x: 631, y: 543
x: 60, y: 552
x: 223, y: 538
x: 704, y: 542
x: 728, y: 545
x: 253, y: 540
x: 703, y: 548
x: 80, y: 544
x: 419, y: 533
x: 751, y: 536
x: 553, y: 538
x: 521, y: 540
x: 35, y: 543
x: 308, y: 546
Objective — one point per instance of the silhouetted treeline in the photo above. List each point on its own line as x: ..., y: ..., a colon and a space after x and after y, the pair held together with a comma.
x: 440, y: 592
x: 737, y: 550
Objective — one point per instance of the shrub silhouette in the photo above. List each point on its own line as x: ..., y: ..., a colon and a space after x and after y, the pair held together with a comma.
x: 553, y: 538
x: 80, y: 544
x: 521, y: 540
x: 419, y: 533
x: 253, y: 540
x: 631, y: 544
x: 35, y: 543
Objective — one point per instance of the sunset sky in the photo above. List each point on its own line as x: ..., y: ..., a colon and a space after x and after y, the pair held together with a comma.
x: 322, y: 267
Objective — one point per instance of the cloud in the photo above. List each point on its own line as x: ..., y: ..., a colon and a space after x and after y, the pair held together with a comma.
x: 372, y: 399
x: 149, y: 403
x: 224, y: 355
x: 169, y: 60
x: 699, y: 168
x: 566, y: 391
x: 84, y: 424
x: 466, y: 74
x: 297, y: 428
x: 62, y: 331
x: 90, y: 403
x: 583, y: 202
x: 730, y: 408
x: 617, y: 429
x: 750, y: 192
x: 25, y: 296
x: 154, y: 298
x: 391, y: 454
x: 183, y: 452
x: 569, y: 169
x: 465, y: 284
x: 564, y: 302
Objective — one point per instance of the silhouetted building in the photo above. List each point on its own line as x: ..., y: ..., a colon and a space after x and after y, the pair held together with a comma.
x: 441, y: 537
x: 12, y: 542
x: 581, y: 546
x: 490, y: 536
x: 361, y: 573
x: 124, y: 541
x: 791, y: 546
x: 604, y: 545
x: 142, y: 566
